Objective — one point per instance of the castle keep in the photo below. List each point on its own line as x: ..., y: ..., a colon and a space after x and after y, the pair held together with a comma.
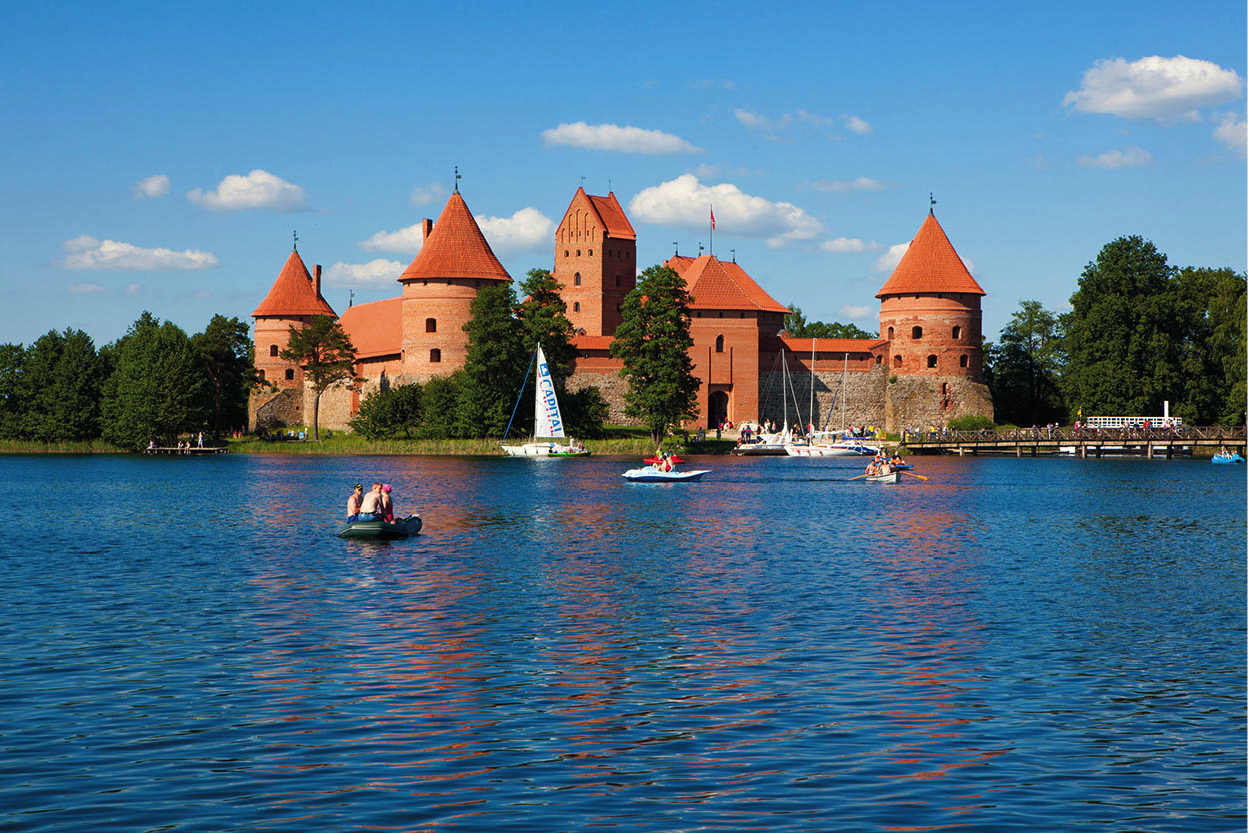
x: 925, y: 368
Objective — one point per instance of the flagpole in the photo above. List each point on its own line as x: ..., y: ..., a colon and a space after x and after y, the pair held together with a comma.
x: 712, y: 228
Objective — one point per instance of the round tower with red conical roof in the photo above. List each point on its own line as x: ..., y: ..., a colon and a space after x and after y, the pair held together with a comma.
x: 293, y: 300
x: 454, y: 262
x: 930, y: 316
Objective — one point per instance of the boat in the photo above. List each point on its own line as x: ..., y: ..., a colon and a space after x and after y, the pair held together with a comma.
x: 1230, y: 457
x: 398, y: 529
x: 889, y: 478
x: 650, y: 474
x: 773, y: 443
x: 547, y: 420
x: 831, y: 448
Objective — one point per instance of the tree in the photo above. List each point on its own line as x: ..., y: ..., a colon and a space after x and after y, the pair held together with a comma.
x: 1123, y: 339
x: 225, y: 350
x: 1210, y: 304
x: 156, y: 389
x: 324, y: 351
x: 653, y: 340
x: 1026, y: 368
x: 796, y: 325
x: 12, y: 358
x: 439, y: 401
x: 495, y: 364
x: 390, y: 411
x: 543, y: 320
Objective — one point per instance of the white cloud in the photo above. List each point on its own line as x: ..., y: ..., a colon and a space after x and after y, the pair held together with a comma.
x: 857, y: 125
x: 756, y: 121
x: 86, y: 252
x: 84, y: 289
x: 856, y: 184
x: 1154, y: 88
x: 1233, y: 133
x: 133, y: 288
x: 889, y: 260
x: 403, y: 241
x: 424, y: 195
x: 257, y: 190
x: 849, y: 244
x: 157, y: 185
x: 625, y: 139
x: 814, y: 119
x: 379, y: 273
x: 1126, y: 158
x: 527, y: 229
x: 855, y: 311
x: 685, y: 203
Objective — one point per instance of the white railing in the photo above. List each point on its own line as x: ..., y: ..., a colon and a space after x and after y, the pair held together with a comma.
x: 1127, y: 422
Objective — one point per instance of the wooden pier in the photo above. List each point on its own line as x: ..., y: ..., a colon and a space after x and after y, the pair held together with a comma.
x: 1150, y: 443
x: 193, y: 450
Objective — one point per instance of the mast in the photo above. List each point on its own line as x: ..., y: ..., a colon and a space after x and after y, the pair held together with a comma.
x: 812, y: 385
x: 844, y: 368
x: 784, y: 388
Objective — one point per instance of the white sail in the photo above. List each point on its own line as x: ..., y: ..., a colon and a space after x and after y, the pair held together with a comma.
x: 548, y: 422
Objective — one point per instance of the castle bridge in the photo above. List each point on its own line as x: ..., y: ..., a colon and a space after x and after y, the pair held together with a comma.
x: 1131, y: 440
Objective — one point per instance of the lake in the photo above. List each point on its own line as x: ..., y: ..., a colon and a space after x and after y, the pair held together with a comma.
x: 1014, y: 644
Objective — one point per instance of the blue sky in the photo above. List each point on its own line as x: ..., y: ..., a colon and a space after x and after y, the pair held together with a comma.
x: 159, y: 156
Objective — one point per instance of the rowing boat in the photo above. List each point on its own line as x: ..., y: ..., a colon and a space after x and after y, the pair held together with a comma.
x: 400, y: 529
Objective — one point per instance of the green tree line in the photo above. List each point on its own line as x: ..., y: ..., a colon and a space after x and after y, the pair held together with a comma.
x: 1139, y: 332
x: 154, y: 383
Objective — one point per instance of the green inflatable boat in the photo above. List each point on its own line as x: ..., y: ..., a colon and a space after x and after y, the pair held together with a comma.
x: 398, y: 529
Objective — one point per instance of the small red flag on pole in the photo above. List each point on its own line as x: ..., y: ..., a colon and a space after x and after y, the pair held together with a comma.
x: 712, y: 217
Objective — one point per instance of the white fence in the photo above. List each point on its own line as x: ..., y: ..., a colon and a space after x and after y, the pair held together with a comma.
x: 1126, y: 422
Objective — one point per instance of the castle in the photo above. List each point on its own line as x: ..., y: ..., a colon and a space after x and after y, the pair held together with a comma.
x: 925, y: 368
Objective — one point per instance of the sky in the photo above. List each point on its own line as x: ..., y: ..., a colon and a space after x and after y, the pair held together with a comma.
x: 160, y: 156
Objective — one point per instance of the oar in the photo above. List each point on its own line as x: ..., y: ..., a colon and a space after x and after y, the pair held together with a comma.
x: 911, y: 474
x: 856, y: 478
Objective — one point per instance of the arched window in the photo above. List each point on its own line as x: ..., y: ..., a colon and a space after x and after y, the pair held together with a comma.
x: 435, y: 354
x: 431, y: 325
x: 576, y: 306
x: 719, y: 344
x: 260, y: 373
x: 617, y: 280
x: 944, y: 389
x: 591, y: 253
x: 578, y: 253
x: 957, y: 332
x: 897, y: 361
x: 565, y: 253
x: 878, y: 359
x: 272, y: 350
x: 931, y: 360
x: 962, y: 361
x: 890, y: 333
x: 290, y: 373
x: 916, y: 333
x: 576, y: 279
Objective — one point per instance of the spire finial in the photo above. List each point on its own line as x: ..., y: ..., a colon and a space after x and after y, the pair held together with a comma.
x: 457, y: 179
x: 676, y: 248
x: 932, y: 208
x: 582, y: 182
x: 295, y: 245
x: 734, y: 255
x: 700, y: 248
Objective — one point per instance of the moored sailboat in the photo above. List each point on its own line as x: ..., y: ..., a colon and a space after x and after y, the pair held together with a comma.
x: 547, y: 420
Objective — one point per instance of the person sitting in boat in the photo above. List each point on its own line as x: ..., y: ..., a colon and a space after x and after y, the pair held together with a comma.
x: 353, y: 504
x: 387, y: 504
x: 873, y: 468
x: 370, y: 508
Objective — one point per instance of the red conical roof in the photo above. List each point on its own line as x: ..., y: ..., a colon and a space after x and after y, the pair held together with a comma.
x: 293, y: 294
x: 930, y: 265
x: 455, y: 249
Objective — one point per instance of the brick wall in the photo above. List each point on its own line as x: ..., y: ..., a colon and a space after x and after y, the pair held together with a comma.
x: 921, y: 401
x: 864, y: 397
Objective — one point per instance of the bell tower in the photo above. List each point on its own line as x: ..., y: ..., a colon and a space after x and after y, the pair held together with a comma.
x: 595, y: 262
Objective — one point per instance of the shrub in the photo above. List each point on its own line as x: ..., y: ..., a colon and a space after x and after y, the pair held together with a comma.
x: 971, y: 422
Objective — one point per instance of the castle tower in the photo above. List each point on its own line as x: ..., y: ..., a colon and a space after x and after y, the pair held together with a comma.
x: 930, y: 317
x: 439, y: 287
x: 595, y: 262
x: 294, y: 299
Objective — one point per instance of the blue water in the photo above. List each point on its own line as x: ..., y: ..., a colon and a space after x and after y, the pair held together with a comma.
x: 1013, y: 644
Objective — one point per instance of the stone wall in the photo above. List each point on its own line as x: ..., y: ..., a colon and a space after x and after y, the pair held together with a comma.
x: 611, y: 385
x: 921, y: 401
x: 272, y: 409
x: 864, y: 398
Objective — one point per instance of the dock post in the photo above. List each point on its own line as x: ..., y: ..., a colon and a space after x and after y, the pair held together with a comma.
x: 1150, y: 450
x: 1018, y: 451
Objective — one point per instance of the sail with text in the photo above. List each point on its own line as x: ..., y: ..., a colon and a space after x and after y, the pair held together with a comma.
x: 549, y: 422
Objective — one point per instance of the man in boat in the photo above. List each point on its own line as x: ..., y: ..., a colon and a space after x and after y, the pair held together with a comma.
x: 370, y: 508
x: 353, y: 504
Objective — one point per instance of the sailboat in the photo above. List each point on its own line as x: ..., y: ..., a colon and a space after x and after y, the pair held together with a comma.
x: 773, y: 443
x: 834, y: 446
x: 547, y: 421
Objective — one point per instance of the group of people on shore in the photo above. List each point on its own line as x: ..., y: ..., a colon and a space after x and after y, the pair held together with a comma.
x: 375, y: 505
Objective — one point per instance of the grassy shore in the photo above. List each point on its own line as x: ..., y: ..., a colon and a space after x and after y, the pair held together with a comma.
x: 75, y: 447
